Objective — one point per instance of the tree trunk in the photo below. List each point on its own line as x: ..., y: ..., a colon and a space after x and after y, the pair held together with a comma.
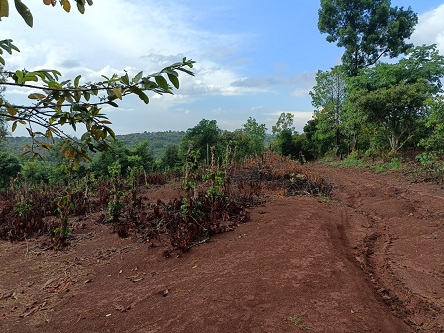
x: 355, y: 142
x: 394, y: 142
x: 337, y: 138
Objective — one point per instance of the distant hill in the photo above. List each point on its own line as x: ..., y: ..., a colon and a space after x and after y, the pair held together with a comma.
x: 14, y: 145
x: 158, y: 141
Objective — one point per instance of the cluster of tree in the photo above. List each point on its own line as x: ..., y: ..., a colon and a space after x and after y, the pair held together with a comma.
x: 287, y: 141
x: 204, y: 138
x: 368, y: 105
x: 56, y: 168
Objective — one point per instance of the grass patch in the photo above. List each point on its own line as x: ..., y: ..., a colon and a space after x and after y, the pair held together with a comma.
x: 418, y: 168
x: 384, y: 164
x: 298, y: 320
x: 351, y: 161
x: 395, y: 165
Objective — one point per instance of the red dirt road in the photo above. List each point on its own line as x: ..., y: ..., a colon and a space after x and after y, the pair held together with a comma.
x: 369, y: 260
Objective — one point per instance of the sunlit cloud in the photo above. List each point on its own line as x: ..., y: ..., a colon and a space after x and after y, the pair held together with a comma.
x: 430, y: 28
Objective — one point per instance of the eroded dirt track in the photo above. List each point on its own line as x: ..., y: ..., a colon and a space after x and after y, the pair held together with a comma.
x: 370, y: 260
x: 396, y: 230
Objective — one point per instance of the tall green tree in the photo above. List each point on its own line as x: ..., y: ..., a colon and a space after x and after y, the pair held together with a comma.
x: 328, y: 97
x: 255, y: 135
x: 171, y: 158
x: 116, y: 153
x: 237, y: 141
x: 203, y: 136
x: 434, y: 142
x: 9, y: 168
x: 310, y: 130
x: 284, y: 122
x: 367, y: 29
x: 394, y: 95
x: 144, y: 156
x: 287, y: 141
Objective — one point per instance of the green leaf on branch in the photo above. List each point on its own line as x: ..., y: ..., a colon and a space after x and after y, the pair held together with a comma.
x: 7, y: 45
x: 86, y: 95
x: 141, y: 94
x: 60, y: 103
x: 110, y: 132
x: 125, y: 79
x: 45, y: 145
x: 186, y: 71
x: 68, y: 97
x: 11, y: 110
x: 117, y: 92
x: 54, y: 85
x: 30, y: 77
x: 160, y: 80
x: 76, y: 80
x: 174, y: 80
x: 95, y: 111
x: 137, y: 77
x: 66, y: 5
x: 19, y: 75
x: 94, y: 90
x: 77, y: 96
x: 4, y: 8
x: 24, y: 12
x: 81, y: 6
x: 48, y: 134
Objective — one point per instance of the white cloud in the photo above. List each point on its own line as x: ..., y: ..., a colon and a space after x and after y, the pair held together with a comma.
x: 303, y: 83
x: 214, y: 79
x: 257, y: 108
x: 218, y: 111
x: 301, y: 93
x: 117, y: 34
x: 430, y: 28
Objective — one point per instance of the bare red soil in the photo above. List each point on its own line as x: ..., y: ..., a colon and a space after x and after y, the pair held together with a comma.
x: 369, y: 260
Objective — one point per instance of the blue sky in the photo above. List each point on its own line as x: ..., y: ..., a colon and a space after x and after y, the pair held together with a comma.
x: 254, y: 58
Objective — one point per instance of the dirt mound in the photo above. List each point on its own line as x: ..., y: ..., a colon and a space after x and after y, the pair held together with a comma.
x: 370, y: 260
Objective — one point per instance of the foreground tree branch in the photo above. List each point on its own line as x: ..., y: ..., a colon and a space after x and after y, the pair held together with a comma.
x: 54, y: 103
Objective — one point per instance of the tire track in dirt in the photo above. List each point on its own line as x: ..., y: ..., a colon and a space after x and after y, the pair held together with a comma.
x: 396, y: 229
